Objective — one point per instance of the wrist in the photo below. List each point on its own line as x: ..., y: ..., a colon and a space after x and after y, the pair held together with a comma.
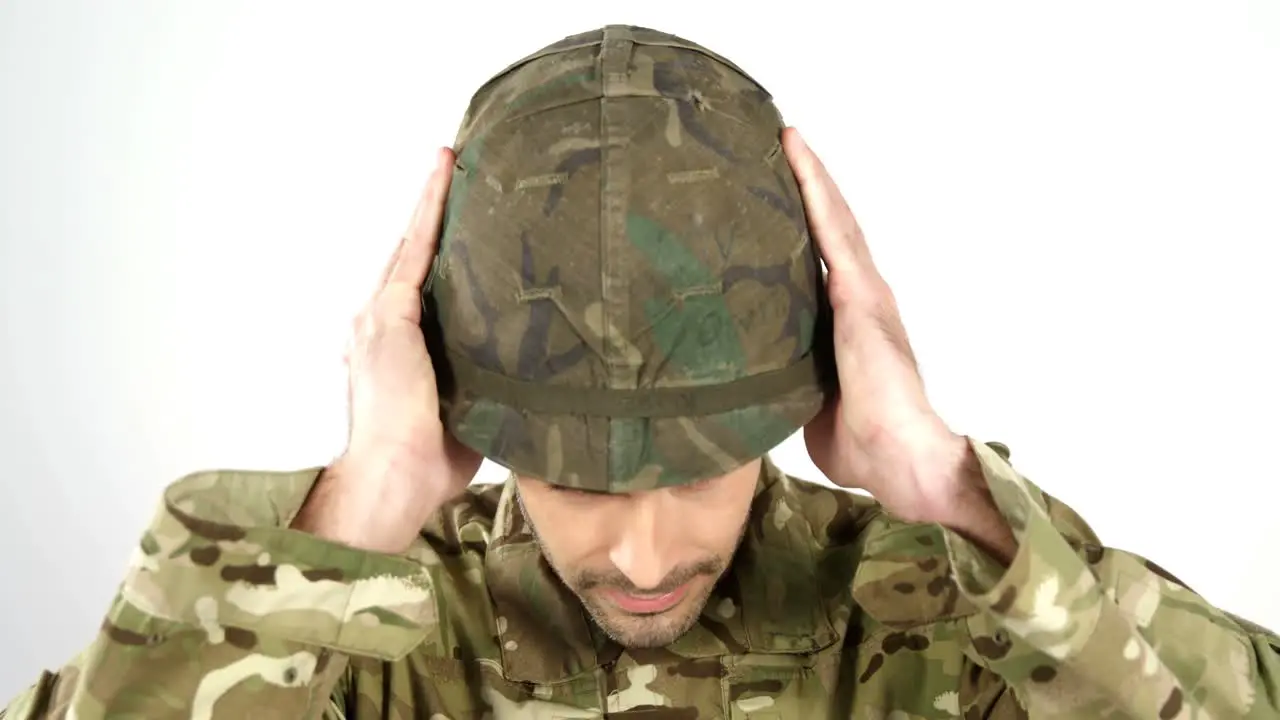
x: 960, y: 500
x: 373, y: 506
x: 944, y: 473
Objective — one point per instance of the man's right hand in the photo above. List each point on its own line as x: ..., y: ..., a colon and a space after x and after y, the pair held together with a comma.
x: 400, y: 464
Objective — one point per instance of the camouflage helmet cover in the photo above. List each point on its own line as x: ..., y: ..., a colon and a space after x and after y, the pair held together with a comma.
x: 626, y: 295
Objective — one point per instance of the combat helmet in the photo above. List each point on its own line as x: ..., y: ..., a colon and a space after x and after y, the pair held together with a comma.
x: 626, y: 295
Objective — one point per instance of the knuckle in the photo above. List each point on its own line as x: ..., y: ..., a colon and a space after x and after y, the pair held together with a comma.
x: 397, y: 299
x: 365, y: 326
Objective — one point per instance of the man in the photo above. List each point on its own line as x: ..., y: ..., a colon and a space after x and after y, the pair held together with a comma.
x: 626, y: 309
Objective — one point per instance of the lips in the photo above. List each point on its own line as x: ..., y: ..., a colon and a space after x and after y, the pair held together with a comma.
x: 646, y: 604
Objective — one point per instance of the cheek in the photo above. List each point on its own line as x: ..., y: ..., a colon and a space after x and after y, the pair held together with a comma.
x: 568, y: 529
x: 710, y: 524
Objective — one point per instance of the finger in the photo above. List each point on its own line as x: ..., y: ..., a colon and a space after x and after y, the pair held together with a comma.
x: 391, y: 264
x: 424, y: 231
x: 834, y: 226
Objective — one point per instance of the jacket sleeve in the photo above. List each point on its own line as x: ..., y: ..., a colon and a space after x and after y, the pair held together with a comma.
x: 225, y: 611
x: 1075, y: 629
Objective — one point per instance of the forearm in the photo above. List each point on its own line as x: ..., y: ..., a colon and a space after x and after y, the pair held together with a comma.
x: 1081, y: 630
x: 343, y: 508
x: 143, y: 666
x: 226, y: 609
x: 963, y: 503
x: 323, y: 515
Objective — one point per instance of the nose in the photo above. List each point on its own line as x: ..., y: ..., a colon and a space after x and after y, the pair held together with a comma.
x: 644, y: 546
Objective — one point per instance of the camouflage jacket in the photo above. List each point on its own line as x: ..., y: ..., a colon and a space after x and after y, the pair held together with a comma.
x: 833, y: 609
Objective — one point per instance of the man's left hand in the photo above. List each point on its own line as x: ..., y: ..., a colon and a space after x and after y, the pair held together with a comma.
x: 881, y: 434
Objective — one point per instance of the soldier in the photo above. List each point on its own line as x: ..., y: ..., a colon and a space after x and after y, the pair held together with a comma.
x: 627, y: 309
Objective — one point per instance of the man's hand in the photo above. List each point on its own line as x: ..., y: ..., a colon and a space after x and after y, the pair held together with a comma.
x: 400, y: 464
x: 881, y: 434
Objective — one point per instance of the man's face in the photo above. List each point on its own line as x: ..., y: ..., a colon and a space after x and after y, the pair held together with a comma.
x: 642, y: 564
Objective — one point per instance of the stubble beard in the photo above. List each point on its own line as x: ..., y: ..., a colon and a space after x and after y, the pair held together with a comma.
x: 648, y: 631
x: 642, y: 631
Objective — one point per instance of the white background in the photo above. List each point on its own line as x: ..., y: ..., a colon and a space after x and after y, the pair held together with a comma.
x: 1078, y: 205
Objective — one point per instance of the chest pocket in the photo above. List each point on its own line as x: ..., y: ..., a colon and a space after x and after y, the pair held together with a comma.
x: 774, y: 687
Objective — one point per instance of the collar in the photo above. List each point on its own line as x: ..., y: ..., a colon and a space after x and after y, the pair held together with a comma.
x: 769, y: 601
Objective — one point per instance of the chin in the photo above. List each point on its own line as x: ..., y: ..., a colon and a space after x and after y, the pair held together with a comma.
x: 648, y: 631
